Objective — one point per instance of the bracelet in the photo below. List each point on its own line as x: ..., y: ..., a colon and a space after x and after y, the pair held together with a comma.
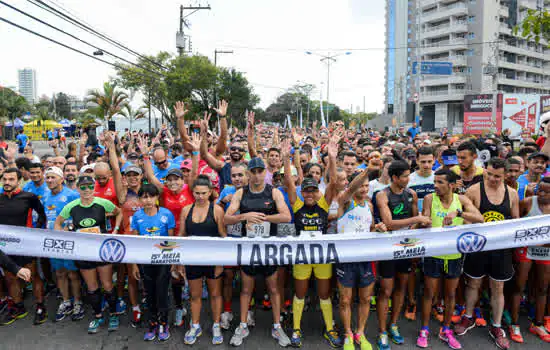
x: 195, y: 153
x: 146, y: 157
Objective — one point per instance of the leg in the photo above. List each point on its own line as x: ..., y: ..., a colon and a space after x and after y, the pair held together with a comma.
x: 106, y: 277
x: 345, y: 307
x: 281, y: 281
x: 275, y: 295
x: 323, y: 290
x: 247, y: 289
x: 195, y: 289
x: 399, y: 296
x: 133, y: 291
x: 90, y: 278
x: 74, y: 278
x: 450, y: 296
x: 228, y: 276
x: 364, y: 307
x: 386, y: 287
x: 431, y: 285
x: 215, y: 293
x: 62, y: 277
x: 518, y: 286
x: 37, y: 283
x: 300, y: 287
x: 120, y: 280
x: 161, y: 290
x: 542, y: 281
x: 472, y: 294
x: 497, y: 301
x: 149, y: 277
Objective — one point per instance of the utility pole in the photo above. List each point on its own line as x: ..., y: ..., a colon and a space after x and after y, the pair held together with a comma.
x: 181, y: 38
x: 216, y: 52
x: 417, y: 118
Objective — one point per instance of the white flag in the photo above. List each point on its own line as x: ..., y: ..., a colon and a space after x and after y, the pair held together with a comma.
x: 301, y: 125
x: 323, y: 121
x: 289, y: 121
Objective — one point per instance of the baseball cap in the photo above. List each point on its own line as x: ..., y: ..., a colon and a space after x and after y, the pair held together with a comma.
x: 255, y: 163
x: 187, y: 164
x: 133, y: 156
x: 133, y: 169
x: 85, y: 179
x: 54, y: 170
x: 449, y: 157
x: 537, y: 155
x: 176, y: 172
x: 87, y: 167
x: 309, y: 182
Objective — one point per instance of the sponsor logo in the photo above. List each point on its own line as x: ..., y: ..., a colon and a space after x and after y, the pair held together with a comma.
x: 7, y: 239
x: 409, y: 248
x: 112, y: 250
x: 53, y: 245
x: 153, y: 230
x: 470, y: 242
x: 286, y: 254
x: 89, y: 222
x: 167, y: 254
x: 399, y: 209
x: 491, y: 216
x: 532, y: 234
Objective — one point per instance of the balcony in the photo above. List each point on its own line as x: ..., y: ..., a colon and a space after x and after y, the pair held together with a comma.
x: 444, y: 46
x: 505, y: 28
x: 504, y: 11
x: 427, y: 3
x: 521, y: 66
x: 456, y: 9
x: 520, y: 82
x: 443, y: 29
x: 523, y: 50
x: 434, y: 80
x: 443, y: 95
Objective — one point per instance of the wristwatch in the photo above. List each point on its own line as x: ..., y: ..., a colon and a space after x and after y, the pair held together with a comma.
x: 459, y: 213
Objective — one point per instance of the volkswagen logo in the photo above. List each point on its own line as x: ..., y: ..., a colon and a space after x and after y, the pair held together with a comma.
x: 470, y: 242
x: 112, y: 251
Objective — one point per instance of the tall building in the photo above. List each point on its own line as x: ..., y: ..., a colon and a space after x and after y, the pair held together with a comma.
x: 27, y: 84
x: 476, y: 36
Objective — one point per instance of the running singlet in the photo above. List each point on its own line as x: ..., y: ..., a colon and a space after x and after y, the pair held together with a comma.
x: 225, y: 175
x: 54, y: 203
x: 153, y: 226
x: 207, y: 228
x: 535, y: 209
x: 439, y: 213
x: 261, y: 202
x: 311, y: 221
x: 107, y: 192
x: 90, y: 218
x: 356, y: 220
x: 492, y: 212
x: 129, y: 208
x: 422, y: 186
x: 40, y: 192
x: 523, y: 182
x: 478, y: 177
x: 400, y: 204
x: 176, y: 201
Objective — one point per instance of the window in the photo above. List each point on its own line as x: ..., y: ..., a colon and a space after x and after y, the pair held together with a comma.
x: 471, y: 36
x: 470, y: 52
x: 471, y: 19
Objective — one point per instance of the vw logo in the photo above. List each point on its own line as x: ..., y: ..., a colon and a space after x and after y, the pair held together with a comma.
x: 470, y: 242
x: 112, y: 250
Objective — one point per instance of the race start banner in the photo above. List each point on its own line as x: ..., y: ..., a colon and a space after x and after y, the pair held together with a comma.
x: 327, y: 249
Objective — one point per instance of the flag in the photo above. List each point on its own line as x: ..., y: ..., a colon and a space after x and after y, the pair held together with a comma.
x: 289, y: 121
x: 301, y: 125
x: 323, y: 121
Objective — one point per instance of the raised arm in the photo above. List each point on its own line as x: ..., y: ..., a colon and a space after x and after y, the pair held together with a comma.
x: 147, y: 166
x: 194, y: 144
x: 212, y: 161
x: 353, y: 187
x: 289, y: 181
x: 331, y: 191
x: 221, y: 147
x: 180, y: 111
x: 82, y: 149
x: 113, y: 161
x: 250, y: 138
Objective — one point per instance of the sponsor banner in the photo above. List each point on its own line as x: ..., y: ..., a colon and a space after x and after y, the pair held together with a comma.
x: 544, y: 104
x: 478, y: 114
x: 533, y: 231
x: 538, y: 253
x: 521, y: 113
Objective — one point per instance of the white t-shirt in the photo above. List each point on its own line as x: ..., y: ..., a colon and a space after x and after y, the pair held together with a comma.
x: 375, y: 186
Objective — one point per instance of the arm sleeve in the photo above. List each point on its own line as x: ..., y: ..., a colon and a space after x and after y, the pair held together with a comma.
x: 8, y: 263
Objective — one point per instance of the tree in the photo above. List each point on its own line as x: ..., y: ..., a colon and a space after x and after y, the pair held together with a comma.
x: 12, y: 105
x: 235, y: 89
x: 536, y: 25
x: 132, y: 114
x: 107, y: 102
x: 62, y: 105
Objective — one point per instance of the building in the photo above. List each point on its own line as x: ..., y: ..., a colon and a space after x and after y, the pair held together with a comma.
x: 476, y: 37
x: 27, y: 84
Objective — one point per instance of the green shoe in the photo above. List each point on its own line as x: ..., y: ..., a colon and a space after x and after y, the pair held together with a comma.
x: 364, y: 343
x: 348, y: 343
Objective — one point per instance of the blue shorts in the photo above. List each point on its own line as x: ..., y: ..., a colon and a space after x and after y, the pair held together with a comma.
x: 435, y: 267
x: 58, y: 264
x: 356, y: 274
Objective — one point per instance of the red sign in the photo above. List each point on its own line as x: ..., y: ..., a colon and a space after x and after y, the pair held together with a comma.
x: 511, y: 101
x: 478, y: 114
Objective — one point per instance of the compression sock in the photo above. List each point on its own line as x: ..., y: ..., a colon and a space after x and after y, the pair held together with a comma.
x: 326, y: 309
x: 227, y: 306
x: 297, y: 311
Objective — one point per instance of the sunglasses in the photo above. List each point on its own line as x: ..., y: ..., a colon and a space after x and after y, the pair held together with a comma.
x: 86, y: 187
x: 101, y: 177
x: 160, y: 163
x: 237, y: 149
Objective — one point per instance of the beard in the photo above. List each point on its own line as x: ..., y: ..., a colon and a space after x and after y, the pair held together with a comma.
x: 8, y: 188
x: 70, y: 178
x: 236, y: 156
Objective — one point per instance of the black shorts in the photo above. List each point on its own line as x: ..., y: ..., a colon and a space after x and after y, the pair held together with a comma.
x: 435, y: 267
x: 388, y: 268
x: 196, y: 272
x: 22, y: 260
x: 356, y: 274
x: 497, y: 264
x: 266, y: 271
x: 89, y: 265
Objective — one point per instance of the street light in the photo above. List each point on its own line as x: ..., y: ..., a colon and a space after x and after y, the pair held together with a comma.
x: 328, y: 58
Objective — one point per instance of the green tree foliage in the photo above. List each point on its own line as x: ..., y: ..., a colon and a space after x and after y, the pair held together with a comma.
x: 535, y: 26
x: 12, y: 105
x: 133, y: 114
x: 62, y: 106
x: 107, y: 102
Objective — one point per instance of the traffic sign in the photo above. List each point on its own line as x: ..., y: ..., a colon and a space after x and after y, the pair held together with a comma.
x: 434, y: 68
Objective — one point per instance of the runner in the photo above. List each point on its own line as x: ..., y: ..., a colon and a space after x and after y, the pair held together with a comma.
x: 88, y: 214
x: 16, y: 208
x: 445, y: 208
x: 203, y: 219
x: 498, y: 264
x: 467, y: 170
x: 66, y: 272
x: 261, y: 206
x: 536, y: 166
x: 154, y: 221
x: 513, y: 171
x: 398, y: 207
x: 70, y: 172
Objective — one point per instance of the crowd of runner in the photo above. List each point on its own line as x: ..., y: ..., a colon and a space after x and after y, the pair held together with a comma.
x: 269, y: 181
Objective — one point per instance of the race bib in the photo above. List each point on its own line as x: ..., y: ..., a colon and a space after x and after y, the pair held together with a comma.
x: 235, y: 230
x: 258, y: 230
x: 538, y: 253
x: 94, y: 229
x: 286, y: 229
x: 310, y: 234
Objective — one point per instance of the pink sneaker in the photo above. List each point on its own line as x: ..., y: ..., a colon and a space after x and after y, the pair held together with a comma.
x: 448, y: 337
x: 422, y: 341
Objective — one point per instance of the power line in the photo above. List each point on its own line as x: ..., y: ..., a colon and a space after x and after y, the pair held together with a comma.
x: 75, y: 37
x: 41, y: 4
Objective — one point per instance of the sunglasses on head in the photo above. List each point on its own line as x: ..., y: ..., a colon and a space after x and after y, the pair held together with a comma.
x: 236, y: 149
x: 86, y: 187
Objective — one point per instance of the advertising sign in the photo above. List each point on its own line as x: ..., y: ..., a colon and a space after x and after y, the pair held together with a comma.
x: 521, y: 113
x: 478, y: 114
x: 544, y: 104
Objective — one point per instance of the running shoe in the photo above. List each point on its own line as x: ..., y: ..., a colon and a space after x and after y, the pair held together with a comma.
x: 362, y: 341
x: 498, y: 334
x: 480, y: 320
x: 395, y: 335
x: 457, y: 313
x: 240, y: 333
x: 113, y: 323
x: 333, y: 338
x: 163, y: 331
x: 438, y: 313
x: 78, y: 311
x: 540, y: 332
x: 192, y: 334
x: 448, y: 337
x: 121, y: 307
x: 279, y: 334
x: 515, y: 333
x: 65, y: 309
x: 217, y: 337
x: 41, y: 315
x: 93, y: 327
x: 372, y: 303
x: 466, y: 323
x: 151, y: 333
x: 547, y: 323
x: 14, y: 313
x: 422, y: 340
x: 180, y: 314
x: 226, y: 319
x: 410, y: 312
x: 348, y: 342
x: 136, y: 318
x: 4, y: 305
x: 266, y: 303
x: 250, y: 320
x: 296, y: 339
x: 383, y: 341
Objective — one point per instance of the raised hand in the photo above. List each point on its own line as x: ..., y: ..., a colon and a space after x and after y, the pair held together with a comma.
x: 332, y: 147
x: 285, y: 148
x: 222, y: 108
x: 179, y: 109
x: 195, y: 142
x: 250, y: 117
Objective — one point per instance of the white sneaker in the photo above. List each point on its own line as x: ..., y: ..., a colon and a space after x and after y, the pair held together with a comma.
x: 217, y: 337
x: 280, y: 335
x: 250, y: 321
x: 226, y: 319
x: 240, y: 333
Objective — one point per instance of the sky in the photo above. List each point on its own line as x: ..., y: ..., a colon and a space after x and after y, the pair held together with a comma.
x: 269, y: 40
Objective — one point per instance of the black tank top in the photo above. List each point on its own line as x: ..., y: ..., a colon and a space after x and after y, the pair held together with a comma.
x: 492, y: 212
x: 207, y: 228
x: 400, y: 204
x: 261, y: 202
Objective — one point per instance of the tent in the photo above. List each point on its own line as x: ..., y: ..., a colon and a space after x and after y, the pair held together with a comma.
x: 17, y: 123
x: 36, y: 129
x: 65, y: 123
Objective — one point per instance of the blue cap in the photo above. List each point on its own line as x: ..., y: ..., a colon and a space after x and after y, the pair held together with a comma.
x: 256, y: 162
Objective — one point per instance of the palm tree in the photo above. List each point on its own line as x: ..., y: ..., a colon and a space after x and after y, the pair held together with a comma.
x: 132, y: 114
x: 108, y: 102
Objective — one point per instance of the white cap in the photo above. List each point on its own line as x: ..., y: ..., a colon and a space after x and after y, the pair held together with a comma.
x: 87, y: 167
x: 544, y: 118
x: 428, y: 142
x: 54, y: 170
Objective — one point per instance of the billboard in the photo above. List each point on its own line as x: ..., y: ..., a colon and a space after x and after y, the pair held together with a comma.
x: 478, y: 113
x: 544, y: 104
x: 520, y: 113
